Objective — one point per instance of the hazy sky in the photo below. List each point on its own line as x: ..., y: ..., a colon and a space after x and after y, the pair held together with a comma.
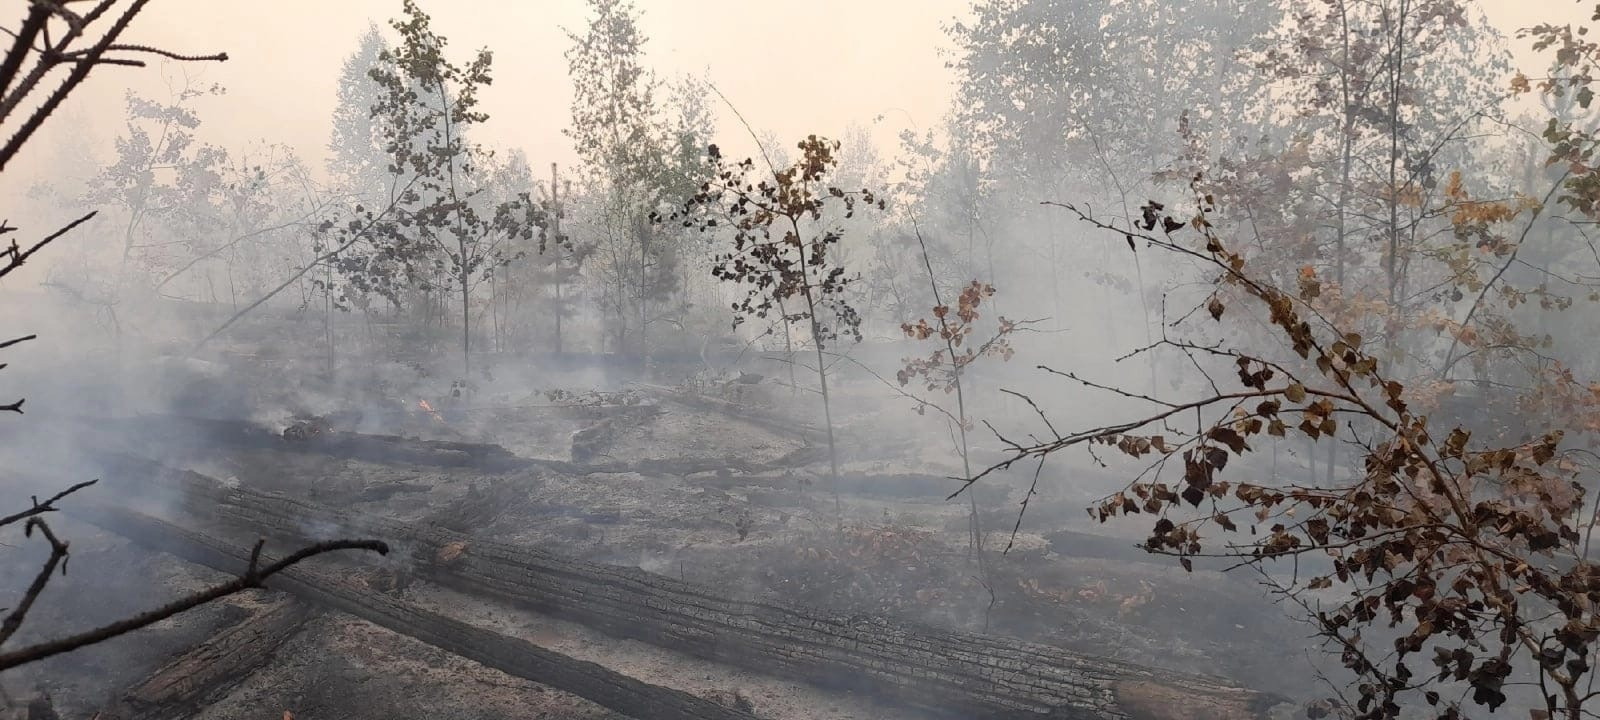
x: 788, y: 70
x: 790, y: 67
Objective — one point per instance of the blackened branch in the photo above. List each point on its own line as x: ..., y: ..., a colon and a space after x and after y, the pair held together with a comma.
x: 255, y: 556
x: 31, y: 27
x: 49, y: 505
x: 252, y: 578
x: 14, y: 341
x: 58, y: 557
x: 15, y: 256
x: 217, y: 57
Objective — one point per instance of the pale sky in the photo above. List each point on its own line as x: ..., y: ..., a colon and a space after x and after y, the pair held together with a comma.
x: 793, y: 68
x: 790, y: 67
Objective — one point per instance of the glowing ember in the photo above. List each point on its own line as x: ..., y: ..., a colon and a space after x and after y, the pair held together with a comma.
x: 429, y: 409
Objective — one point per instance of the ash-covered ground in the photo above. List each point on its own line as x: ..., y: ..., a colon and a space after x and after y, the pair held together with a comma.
x: 720, y: 484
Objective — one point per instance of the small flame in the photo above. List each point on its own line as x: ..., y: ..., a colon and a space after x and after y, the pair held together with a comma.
x: 429, y: 409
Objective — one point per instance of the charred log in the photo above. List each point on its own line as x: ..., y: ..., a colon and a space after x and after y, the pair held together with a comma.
x: 207, y: 672
x: 318, y: 439
x: 593, y: 441
x: 205, y: 433
x: 513, y: 656
x: 951, y: 673
x: 480, y: 506
x: 768, y: 420
x: 890, y: 485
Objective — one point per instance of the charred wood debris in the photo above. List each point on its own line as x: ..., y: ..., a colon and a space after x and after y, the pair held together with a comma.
x: 932, y: 671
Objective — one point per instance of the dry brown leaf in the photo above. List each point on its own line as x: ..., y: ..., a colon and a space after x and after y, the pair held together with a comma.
x: 450, y: 552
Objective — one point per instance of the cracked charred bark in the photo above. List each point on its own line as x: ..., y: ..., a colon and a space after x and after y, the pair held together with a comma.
x: 951, y: 673
x: 209, y: 670
x: 510, y: 655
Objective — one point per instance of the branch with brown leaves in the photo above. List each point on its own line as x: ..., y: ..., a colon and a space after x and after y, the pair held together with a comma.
x: 1464, y: 557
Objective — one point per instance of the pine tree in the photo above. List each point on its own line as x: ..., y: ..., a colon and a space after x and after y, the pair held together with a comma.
x: 359, y: 161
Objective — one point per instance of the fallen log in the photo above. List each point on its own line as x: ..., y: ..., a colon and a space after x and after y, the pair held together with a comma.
x: 204, y: 674
x: 177, y: 431
x: 950, y: 673
x: 510, y: 655
x: 892, y: 485
x: 207, y: 433
x: 759, y: 418
x: 592, y: 441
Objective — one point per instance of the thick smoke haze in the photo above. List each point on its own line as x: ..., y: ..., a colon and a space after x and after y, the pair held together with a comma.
x: 950, y: 372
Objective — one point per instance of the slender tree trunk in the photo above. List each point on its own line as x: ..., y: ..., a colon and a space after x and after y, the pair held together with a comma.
x: 327, y: 317
x: 1341, y: 209
x: 560, y: 310
x: 788, y: 352
x: 822, y: 379
x: 1396, y: 69
x: 827, y: 408
x: 495, y: 330
x: 974, y: 524
x: 466, y: 321
x: 555, y: 227
x: 644, y: 294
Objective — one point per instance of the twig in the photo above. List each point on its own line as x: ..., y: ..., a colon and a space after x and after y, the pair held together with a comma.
x: 355, y: 237
x: 58, y: 556
x: 14, y: 341
x: 252, y: 578
x: 214, y: 57
x: 1036, y: 410
x: 15, y: 256
x: 49, y: 505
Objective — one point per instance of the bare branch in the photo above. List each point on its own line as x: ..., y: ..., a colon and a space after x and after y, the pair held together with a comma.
x: 252, y: 577
x: 58, y: 556
x: 49, y: 505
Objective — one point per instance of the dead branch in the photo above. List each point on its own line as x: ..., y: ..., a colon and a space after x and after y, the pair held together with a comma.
x: 49, y: 505
x: 15, y: 256
x: 253, y: 577
x: 58, y: 557
x: 82, y: 62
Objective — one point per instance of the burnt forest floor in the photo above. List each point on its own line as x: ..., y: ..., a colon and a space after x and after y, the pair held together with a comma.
x: 643, y: 480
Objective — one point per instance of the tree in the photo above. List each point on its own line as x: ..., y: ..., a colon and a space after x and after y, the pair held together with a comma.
x: 360, y: 159
x: 1045, y: 83
x: 540, y: 285
x: 784, y: 227
x: 79, y: 44
x: 452, y: 234
x: 945, y: 189
x: 1045, y: 91
x: 639, y: 160
x: 1372, y: 182
x: 1388, y: 90
x: 941, y: 371
x: 161, y: 170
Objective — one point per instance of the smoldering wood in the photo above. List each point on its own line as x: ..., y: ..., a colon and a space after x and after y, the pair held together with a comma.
x: 723, y: 473
x: 593, y: 441
x: 513, y: 656
x: 179, y: 432
x: 902, y: 486
x: 209, y: 670
x: 759, y: 418
x: 944, y: 672
x: 183, y: 433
